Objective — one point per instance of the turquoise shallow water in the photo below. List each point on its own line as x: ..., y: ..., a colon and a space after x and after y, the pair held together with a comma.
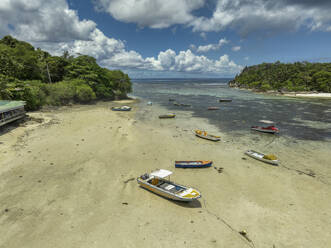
x: 302, y: 119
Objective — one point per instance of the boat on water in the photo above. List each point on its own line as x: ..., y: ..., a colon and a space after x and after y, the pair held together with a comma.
x: 267, y: 158
x: 205, y: 135
x: 193, y: 164
x: 225, y: 100
x: 167, y: 116
x: 123, y: 108
x: 171, y: 100
x: 157, y: 183
x: 182, y: 104
x: 269, y: 129
x: 213, y: 108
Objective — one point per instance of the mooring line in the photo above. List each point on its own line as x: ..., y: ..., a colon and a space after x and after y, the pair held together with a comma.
x: 248, y: 241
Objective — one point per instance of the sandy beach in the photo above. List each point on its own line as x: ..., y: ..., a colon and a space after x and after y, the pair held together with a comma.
x: 310, y: 95
x: 68, y: 179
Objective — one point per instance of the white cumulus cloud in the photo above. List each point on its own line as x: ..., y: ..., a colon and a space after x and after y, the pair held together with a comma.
x: 236, y: 48
x: 56, y: 28
x: 268, y: 15
x: 38, y: 20
x: 245, y: 16
x: 151, y: 13
x: 209, y: 47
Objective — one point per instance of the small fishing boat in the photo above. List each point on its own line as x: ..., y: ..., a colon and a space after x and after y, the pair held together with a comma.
x: 225, y: 100
x: 149, y: 103
x: 205, y: 135
x: 269, y: 158
x: 167, y: 116
x: 269, y: 129
x: 182, y: 104
x: 171, y: 100
x: 157, y: 183
x: 193, y: 164
x: 213, y: 108
x: 123, y: 108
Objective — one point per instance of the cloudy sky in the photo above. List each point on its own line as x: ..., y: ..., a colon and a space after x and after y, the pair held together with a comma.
x: 175, y: 38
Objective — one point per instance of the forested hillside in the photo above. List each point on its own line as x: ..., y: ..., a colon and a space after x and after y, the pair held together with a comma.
x: 298, y: 76
x: 38, y: 78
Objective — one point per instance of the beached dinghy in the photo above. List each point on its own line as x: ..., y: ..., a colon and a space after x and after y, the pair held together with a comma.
x: 193, y: 164
x: 213, y: 108
x: 270, y: 159
x: 158, y: 184
x: 167, y: 116
x: 269, y: 129
x: 205, y: 135
x: 225, y: 100
x: 123, y: 108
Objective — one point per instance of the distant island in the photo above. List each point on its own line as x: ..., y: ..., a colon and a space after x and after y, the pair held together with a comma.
x: 280, y: 77
x: 34, y: 76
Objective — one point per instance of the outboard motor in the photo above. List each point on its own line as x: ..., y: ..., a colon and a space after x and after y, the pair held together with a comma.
x: 145, y: 176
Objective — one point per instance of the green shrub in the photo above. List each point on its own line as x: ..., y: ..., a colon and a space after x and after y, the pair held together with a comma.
x: 84, y: 93
x: 60, y: 93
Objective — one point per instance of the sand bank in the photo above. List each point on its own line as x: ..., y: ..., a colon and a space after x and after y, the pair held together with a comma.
x: 71, y: 183
x: 311, y: 95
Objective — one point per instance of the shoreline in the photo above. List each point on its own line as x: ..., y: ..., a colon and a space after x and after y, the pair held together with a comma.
x: 71, y: 184
x: 299, y: 94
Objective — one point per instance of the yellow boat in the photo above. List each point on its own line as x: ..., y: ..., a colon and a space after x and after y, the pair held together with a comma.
x: 205, y: 135
x: 156, y: 183
x: 167, y: 116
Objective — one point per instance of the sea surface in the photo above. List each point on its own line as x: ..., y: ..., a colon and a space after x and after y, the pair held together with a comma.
x: 301, y: 119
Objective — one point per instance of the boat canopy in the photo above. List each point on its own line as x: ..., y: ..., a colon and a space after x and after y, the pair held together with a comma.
x: 161, y: 173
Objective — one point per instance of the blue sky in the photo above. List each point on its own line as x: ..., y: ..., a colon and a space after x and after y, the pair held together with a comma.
x: 188, y: 38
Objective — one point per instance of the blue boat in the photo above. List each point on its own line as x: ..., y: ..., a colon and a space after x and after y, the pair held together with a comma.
x: 193, y: 164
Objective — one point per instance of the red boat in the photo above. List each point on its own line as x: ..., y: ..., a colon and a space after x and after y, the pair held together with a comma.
x: 269, y: 129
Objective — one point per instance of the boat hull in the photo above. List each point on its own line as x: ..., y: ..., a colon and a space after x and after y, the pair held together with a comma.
x: 165, y: 194
x: 208, y: 137
x: 167, y: 116
x: 225, y: 100
x: 118, y: 109
x: 264, y: 130
x: 193, y: 164
x: 259, y: 156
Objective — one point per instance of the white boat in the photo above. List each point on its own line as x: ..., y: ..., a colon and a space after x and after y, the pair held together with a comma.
x: 157, y: 183
x: 205, y: 135
x: 270, y: 159
x: 123, y: 108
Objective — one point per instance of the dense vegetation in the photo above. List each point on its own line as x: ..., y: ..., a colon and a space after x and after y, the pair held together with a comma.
x: 38, y: 78
x: 285, y: 77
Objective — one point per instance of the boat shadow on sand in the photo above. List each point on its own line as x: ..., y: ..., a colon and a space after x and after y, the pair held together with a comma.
x: 192, y: 204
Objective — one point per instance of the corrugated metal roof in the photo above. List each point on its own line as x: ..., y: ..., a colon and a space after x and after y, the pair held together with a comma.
x: 8, y: 105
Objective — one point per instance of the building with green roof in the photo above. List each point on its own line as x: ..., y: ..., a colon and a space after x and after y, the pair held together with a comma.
x: 11, y: 111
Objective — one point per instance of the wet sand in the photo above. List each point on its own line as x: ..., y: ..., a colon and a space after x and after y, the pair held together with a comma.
x: 70, y: 182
